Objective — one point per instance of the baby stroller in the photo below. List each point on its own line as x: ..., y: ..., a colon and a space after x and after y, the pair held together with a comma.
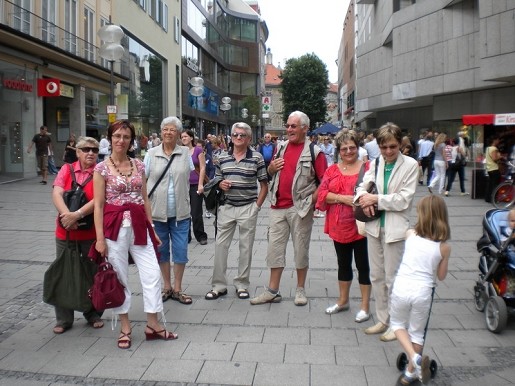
x: 494, y: 292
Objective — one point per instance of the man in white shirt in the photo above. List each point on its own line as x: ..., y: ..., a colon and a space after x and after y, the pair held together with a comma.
x: 372, y: 148
x: 425, y: 156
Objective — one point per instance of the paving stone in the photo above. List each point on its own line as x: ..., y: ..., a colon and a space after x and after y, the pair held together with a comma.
x: 332, y: 375
x: 178, y: 370
x: 259, y: 352
x: 133, y: 368
x: 268, y: 374
x: 227, y: 373
x: 216, y: 351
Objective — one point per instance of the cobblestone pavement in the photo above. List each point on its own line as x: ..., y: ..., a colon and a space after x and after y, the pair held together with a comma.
x: 227, y: 341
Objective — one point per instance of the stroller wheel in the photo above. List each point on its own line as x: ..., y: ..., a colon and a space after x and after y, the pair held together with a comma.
x: 402, y: 361
x: 480, y: 297
x: 496, y: 314
x: 433, y: 367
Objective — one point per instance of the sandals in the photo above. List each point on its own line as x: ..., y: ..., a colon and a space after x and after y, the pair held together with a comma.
x: 96, y: 323
x: 124, y: 340
x: 160, y: 335
x: 59, y: 329
x: 212, y: 295
x: 181, y: 297
x: 242, y: 293
x: 166, y: 294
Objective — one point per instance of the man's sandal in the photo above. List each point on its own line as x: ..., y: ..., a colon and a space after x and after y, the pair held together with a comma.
x: 124, y: 340
x: 181, y: 297
x: 166, y: 294
x: 242, y: 294
x: 212, y: 295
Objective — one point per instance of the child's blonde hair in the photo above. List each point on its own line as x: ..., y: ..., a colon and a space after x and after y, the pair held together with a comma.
x: 433, y: 219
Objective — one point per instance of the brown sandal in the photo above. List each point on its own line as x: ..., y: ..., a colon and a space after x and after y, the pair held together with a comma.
x: 166, y: 294
x: 160, y: 335
x: 181, y: 297
x: 124, y: 340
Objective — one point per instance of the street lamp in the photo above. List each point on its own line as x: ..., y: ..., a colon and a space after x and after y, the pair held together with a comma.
x: 111, y: 50
x: 226, y: 106
x: 196, y: 90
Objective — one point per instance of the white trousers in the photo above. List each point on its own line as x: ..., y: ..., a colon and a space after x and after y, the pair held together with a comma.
x: 149, y: 273
x: 439, y: 176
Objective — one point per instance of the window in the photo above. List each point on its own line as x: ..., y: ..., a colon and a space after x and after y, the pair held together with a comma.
x: 103, y: 62
x: 89, y: 34
x: 21, y: 15
x: 153, y: 9
x: 177, y: 29
x: 49, y: 16
x: 163, y: 15
x: 70, y: 26
x: 142, y: 4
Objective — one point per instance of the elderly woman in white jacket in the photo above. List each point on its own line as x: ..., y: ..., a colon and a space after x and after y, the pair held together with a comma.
x: 396, y: 181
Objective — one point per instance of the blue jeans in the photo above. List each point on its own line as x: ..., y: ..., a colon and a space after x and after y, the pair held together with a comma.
x: 177, y: 232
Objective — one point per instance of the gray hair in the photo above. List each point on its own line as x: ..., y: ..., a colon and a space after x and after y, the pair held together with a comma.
x: 244, y: 126
x: 87, y: 141
x: 303, y: 118
x: 172, y: 121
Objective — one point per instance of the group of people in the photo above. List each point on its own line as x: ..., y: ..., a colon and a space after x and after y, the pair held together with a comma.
x: 144, y: 208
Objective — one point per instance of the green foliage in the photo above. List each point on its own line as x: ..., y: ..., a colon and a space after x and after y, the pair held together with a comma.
x: 251, y: 103
x: 304, y: 87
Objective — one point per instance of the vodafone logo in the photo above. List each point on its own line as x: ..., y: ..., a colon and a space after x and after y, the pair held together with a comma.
x: 52, y: 87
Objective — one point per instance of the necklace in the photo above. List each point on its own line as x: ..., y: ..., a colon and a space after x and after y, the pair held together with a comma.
x: 118, y: 170
x: 345, y: 167
x: 389, y: 167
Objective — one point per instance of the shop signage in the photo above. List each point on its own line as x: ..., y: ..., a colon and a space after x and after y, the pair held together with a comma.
x: 192, y: 65
x: 504, y: 119
x: 66, y: 90
x: 16, y: 84
x: 49, y: 87
x: 266, y: 103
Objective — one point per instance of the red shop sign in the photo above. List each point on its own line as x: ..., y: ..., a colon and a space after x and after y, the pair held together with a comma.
x: 16, y: 84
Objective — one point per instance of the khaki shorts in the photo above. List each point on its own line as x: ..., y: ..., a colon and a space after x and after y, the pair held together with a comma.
x: 283, y: 223
x: 42, y: 162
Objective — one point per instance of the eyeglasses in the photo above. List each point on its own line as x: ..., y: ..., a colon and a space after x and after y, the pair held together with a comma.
x: 391, y: 147
x: 350, y: 149
x: 293, y: 126
x: 239, y: 135
x: 87, y: 149
x: 118, y: 137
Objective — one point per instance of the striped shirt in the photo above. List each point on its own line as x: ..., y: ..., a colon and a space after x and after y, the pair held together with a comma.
x: 243, y: 175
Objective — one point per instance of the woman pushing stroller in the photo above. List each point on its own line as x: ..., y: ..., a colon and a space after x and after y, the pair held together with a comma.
x: 426, y: 256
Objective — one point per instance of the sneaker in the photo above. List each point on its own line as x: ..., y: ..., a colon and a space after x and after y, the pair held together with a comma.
x: 465, y: 193
x: 208, y: 214
x: 377, y: 328
x: 388, y: 336
x: 300, y: 297
x: 408, y: 378
x: 362, y: 316
x: 266, y: 297
x: 420, y: 182
x: 446, y: 194
x: 430, y: 190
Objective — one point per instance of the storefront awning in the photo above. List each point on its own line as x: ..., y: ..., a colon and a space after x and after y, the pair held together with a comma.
x: 489, y: 119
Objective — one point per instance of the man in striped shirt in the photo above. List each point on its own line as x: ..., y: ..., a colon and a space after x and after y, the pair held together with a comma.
x: 240, y: 170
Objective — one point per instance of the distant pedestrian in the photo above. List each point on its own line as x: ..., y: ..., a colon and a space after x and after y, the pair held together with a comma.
x: 43, y: 143
x: 426, y: 256
x: 70, y: 154
x: 425, y: 156
x: 372, y: 147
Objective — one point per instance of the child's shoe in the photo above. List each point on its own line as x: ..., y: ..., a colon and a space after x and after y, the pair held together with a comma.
x: 408, y: 378
x: 422, y: 367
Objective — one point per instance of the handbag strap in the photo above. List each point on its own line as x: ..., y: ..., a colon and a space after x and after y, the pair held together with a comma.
x: 362, y: 173
x: 75, y: 183
x: 162, y: 175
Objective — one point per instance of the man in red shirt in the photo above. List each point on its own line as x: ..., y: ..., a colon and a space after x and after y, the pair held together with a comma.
x: 296, y: 170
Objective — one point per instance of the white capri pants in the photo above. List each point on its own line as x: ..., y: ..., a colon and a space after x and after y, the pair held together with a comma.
x: 149, y: 273
x: 409, y: 310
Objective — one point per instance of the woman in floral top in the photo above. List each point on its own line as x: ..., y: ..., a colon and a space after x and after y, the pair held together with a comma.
x: 123, y: 224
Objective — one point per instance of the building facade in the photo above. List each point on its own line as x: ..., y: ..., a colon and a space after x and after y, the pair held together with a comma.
x: 52, y: 74
x: 223, y: 43
x: 425, y: 63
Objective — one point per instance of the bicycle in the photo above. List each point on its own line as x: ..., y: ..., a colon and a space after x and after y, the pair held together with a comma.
x: 503, y: 196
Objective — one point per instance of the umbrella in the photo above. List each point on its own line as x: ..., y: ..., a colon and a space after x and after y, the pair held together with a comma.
x: 327, y: 128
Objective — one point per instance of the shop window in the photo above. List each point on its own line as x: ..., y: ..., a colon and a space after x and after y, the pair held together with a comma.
x: 21, y: 16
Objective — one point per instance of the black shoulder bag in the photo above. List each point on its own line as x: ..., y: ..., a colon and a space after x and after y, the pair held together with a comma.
x: 75, y: 198
x: 372, y: 189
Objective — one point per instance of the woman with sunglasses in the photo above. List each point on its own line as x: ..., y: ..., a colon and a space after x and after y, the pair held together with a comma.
x: 335, y: 196
x: 67, y: 222
x: 196, y: 185
x: 396, y: 181
x: 123, y: 222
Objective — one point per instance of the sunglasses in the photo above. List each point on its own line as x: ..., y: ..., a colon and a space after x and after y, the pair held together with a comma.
x: 391, y: 147
x: 88, y: 149
x: 239, y: 135
x: 350, y: 149
x: 293, y: 126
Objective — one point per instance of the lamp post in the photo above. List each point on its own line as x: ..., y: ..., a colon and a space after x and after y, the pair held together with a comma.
x: 196, y: 90
x: 226, y: 106
x: 111, y: 51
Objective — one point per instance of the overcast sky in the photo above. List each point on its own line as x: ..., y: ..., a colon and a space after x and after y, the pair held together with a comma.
x: 298, y: 27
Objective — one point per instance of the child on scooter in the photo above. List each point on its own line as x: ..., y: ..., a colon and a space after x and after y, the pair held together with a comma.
x: 426, y: 255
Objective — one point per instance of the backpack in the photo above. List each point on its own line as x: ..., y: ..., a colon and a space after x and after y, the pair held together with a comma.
x: 312, y: 152
x: 107, y: 291
x: 75, y: 198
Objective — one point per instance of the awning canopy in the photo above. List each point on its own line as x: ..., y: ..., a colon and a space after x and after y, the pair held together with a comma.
x: 479, y: 119
x: 489, y: 119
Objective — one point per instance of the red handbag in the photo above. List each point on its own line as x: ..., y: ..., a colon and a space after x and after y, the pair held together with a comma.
x: 107, y: 291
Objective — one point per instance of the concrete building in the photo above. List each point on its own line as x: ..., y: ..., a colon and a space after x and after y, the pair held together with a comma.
x: 274, y: 117
x: 425, y: 63
x: 52, y: 74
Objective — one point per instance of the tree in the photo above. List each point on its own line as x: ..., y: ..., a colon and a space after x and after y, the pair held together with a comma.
x: 304, y: 87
